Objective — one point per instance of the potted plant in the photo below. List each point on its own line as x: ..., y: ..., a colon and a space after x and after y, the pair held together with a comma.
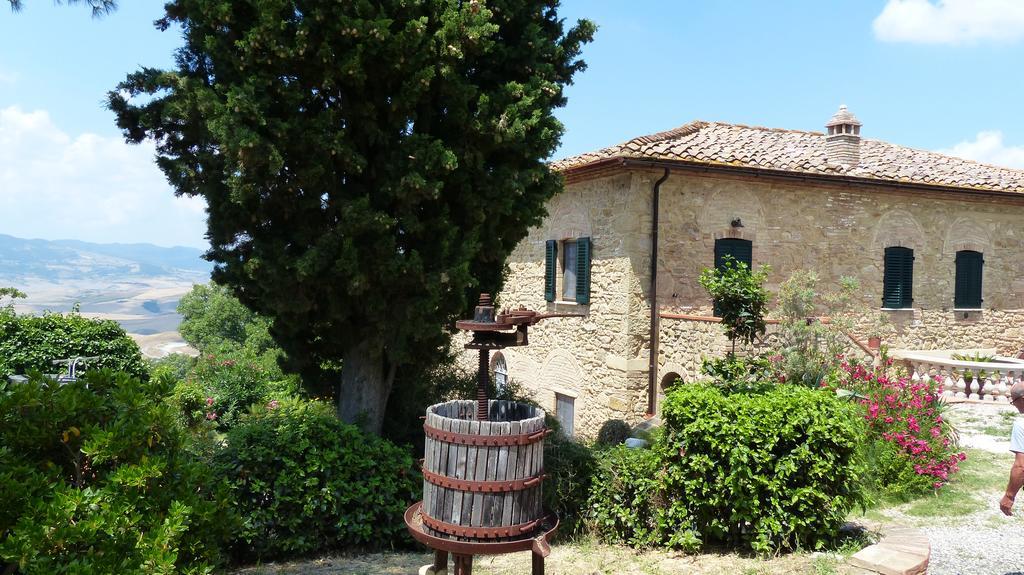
x: 968, y: 374
x: 876, y: 324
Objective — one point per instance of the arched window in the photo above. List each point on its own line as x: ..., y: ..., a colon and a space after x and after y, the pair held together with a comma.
x: 500, y: 369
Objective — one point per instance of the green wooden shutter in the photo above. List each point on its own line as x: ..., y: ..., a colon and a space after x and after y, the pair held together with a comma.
x: 583, y: 270
x: 898, y: 278
x: 551, y: 251
x: 968, y: 279
x: 740, y: 250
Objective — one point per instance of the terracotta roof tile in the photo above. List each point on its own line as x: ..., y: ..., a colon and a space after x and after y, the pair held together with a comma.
x: 802, y: 152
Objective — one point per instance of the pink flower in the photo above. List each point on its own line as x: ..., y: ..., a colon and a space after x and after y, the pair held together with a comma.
x: 209, y: 401
x: 273, y: 404
x: 211, y: 415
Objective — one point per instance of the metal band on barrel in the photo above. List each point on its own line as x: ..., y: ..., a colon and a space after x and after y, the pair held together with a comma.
x: 480, y: 532
x: 482, y: 486
x: 484, y: 440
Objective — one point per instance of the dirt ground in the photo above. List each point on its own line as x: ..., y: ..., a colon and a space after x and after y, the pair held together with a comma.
x: 586, y: 558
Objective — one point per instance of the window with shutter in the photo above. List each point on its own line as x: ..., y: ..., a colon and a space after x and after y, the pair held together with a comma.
x: 551, y: 251
x: 569, y: 257
x: 741, y: 250
x: 898, y: 278
x: 967, y: 293
x: 583, y: 249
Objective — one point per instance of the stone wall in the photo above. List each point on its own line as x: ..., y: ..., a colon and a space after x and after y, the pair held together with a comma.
x: 838, y: 231
x: 593, y: 359
x: 601, y: 360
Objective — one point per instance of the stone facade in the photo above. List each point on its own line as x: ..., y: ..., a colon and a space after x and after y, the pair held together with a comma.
x: 836, y: 228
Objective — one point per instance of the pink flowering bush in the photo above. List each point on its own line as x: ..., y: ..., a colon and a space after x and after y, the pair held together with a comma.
x: 909, y: 449
x: 217, y: 390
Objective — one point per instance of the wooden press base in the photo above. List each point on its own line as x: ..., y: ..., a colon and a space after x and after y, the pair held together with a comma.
x: 462, y: 552
x: 463, y: 564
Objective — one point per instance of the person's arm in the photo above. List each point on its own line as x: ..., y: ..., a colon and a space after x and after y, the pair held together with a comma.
x: 1016, y: 482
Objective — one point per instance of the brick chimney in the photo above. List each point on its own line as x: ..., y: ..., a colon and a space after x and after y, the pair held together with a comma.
x: 842, y: 143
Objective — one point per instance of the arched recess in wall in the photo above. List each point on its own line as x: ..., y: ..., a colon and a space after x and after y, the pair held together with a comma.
x: 897, y: 228
x: 561, y: 390
x: 569, y: 218
x: 671, y: 373
x: 966, y: 234
x: 732, y: 214
x: 671, y: 378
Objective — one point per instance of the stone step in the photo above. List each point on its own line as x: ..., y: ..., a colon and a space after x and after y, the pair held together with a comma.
x: 901, y: 551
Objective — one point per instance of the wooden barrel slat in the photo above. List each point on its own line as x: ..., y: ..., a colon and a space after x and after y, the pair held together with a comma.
x: 465, y: 506
x: 515, y: 428
x: 479, y: 475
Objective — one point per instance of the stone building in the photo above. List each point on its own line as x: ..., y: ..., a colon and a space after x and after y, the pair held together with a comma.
x: 936, y: 242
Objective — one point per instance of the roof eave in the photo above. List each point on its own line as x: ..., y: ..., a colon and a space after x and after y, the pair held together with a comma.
x: 605, y: 165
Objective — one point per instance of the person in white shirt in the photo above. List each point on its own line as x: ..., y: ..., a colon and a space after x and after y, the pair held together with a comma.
x: 1017, y: 447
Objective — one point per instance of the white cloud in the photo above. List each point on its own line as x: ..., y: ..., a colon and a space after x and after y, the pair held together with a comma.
x: 988, y: 147
x: 950, y: 21
x: 87, y: 187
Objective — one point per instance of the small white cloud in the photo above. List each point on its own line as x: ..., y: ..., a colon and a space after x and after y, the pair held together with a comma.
x: 950, y: 21
x: 988, y: 147
x: 87, y: 187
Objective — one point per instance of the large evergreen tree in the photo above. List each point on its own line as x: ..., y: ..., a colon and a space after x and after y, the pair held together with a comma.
x: 368, y: 165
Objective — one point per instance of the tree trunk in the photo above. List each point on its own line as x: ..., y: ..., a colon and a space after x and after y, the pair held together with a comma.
x: 365, y: 387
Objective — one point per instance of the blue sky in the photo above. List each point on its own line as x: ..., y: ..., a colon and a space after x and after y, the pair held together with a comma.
x: 939, y: 75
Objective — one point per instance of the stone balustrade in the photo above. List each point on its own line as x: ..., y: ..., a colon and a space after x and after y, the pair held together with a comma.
x: 983, y: 381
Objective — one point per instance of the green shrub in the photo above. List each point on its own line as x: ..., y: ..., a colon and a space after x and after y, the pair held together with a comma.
x: 305, y: 482
x: 220, y: 389
x: 629, y: 503
x: 734, y: 374
x: 771, y: 471
x: 891, y: 473
x: 740, y: 298
x: 613, y: 432
x: 94, y: 478
x: 30, y: 342
x: 570, y: 468
x: 173, y: 365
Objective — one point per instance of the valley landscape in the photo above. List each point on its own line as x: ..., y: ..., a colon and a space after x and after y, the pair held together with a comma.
x: 136, y: 285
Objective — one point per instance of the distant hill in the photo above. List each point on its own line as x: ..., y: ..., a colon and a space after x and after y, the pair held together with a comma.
x: 60, y: 261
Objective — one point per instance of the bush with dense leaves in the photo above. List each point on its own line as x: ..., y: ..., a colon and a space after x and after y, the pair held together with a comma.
x: 613, y: 432
x: 629, y: 503
x: 770, y: 471
x: 94, y: 478
x: 741, y: 374
x: 305, y: 482
x: 30, y: 342
x: 569, y: 467
x: 219, y: 390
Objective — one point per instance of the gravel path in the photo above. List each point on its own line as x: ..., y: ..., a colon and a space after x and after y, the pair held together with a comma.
x: 982, y: 542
